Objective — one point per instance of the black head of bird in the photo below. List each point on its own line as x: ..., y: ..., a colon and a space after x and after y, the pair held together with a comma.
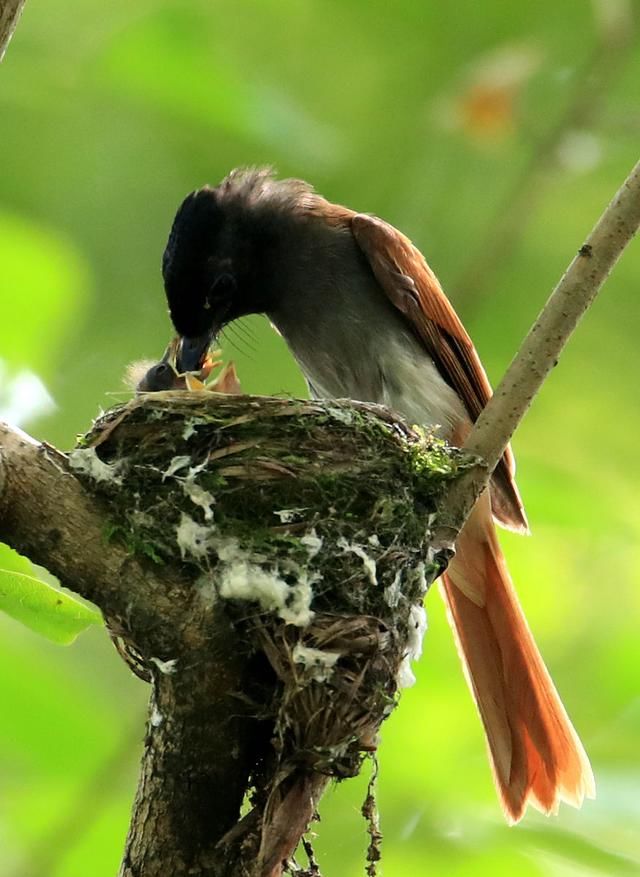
x: 211, y: 265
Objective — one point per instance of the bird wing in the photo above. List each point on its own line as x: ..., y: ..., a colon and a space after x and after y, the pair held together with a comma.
x: 403, y: 273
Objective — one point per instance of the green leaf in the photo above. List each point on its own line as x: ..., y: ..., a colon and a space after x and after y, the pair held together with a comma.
x: 44, y: 609
x: 11, y: 560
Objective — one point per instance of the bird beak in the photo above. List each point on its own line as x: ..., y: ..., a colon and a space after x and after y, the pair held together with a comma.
x: 170, y: 355
x: 191, y: 353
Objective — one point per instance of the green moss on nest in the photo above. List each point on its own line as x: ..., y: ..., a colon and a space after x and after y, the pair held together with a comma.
x: 358, y: 477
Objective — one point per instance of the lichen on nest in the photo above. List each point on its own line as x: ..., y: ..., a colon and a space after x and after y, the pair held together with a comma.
x: 309, y: 521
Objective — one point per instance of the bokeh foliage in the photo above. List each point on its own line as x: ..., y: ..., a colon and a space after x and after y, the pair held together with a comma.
x: 491, y: 133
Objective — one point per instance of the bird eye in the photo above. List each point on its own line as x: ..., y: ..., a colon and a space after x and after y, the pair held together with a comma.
x: 162, y: 369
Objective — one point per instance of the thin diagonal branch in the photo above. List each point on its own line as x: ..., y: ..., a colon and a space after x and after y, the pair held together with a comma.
x: 9, y: 14
x: 543, y: 345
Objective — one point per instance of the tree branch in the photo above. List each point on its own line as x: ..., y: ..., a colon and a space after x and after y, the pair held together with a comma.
x: 196, y: 763
x: 179, y: 815
x: 9, y: 14
x: 46, y: 515
x: 542, y: 347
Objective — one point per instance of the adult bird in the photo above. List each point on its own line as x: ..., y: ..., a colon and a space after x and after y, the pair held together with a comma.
x: 366, y: 318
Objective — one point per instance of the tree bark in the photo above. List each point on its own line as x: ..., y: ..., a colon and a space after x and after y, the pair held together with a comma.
x: 47, y: 515
x: 198, y: 745
x: 195, y: 767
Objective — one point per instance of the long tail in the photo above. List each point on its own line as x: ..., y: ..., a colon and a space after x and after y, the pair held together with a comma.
x: 536, y: 755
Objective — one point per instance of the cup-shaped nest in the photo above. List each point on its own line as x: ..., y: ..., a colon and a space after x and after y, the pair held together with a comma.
x: 309, y: 524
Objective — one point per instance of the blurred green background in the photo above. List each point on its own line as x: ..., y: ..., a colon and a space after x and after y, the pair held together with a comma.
x: 493, y: 134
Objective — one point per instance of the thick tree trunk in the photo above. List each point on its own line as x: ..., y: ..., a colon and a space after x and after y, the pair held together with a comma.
x: 195, y: 768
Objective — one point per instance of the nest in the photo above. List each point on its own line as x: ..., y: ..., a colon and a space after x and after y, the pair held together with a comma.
x: 308, y: 523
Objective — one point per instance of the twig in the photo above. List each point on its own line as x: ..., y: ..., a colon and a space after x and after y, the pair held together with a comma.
x: 372, y: 817
x: 541, y: 348
x: 9, y: 14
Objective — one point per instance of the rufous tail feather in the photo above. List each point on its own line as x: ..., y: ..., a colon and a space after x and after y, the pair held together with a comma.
x: 536, y: 755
